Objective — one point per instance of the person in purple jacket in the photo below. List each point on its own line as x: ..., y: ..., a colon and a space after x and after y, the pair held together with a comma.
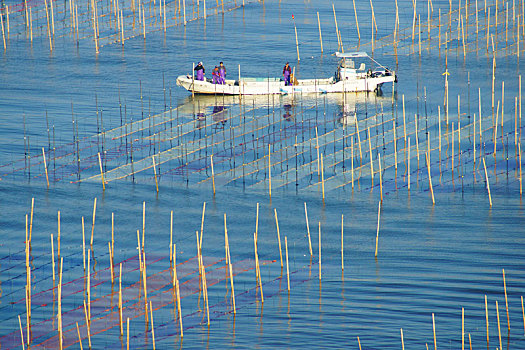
x: 287, y: 71
x: 199, y: 71
x: 222, y: 74
x: 215, y: 74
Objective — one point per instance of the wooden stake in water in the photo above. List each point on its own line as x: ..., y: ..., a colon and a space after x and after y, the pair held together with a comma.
x: 212, y: 174
x: 499, y: 327
x: 342, y: 246
x: 320, y: 36
x: 152, y: 327
x: 269, y: 171
x: 308, y: 230
x: 434, y: 331
x: 45, y: 165
x: 487, y: 180
x: 287, y: 268
x: 462, y: 328
x: 427, y: 157
x: 322, y: 175
x: 380, y: 176
x: 278, y: 237
x: 377, y: 231
x: 487, y: 319
x: 402, y: 340
x: 523, y: 314
x: 93, y: 225
x: 371, y: 163
x: 21, y: 333
x: 179, y: 309
x: 155, y: 173
x: 408, y: 165
x: 506, y: 302
x: 356, y: 22
x: 319, y: 251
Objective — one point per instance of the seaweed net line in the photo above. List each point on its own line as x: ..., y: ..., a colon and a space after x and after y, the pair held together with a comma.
x: 487, y: 35
x: 77, y: 20
x: 103, y: 310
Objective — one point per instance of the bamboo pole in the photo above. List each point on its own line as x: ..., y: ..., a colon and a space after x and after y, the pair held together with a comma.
x: 487, y: 319
x: 93, y: 224
x: 408, y: 165
x: 152, y: 328
x: 320, y: 35
x: 434, y: 331
x: 278, y: 237
x: 380, y: 177
x: 371, y: 163
x: 336, y: 29
x: 308, y: 230
x: 257, y: 272
x: 487, y: 180
x: 356, y: 22
x: 404, y: 122
x: 506, y: 301
x: 144, y: 21
x: 155, y: 173
x: 317, y: 149
x: 319, y: 251
x: 179, y: 309
x: 521, y: 176
x: 120, y: 301
x: 395, y: 144
x: 3, y: 32
x: 342, y: 245
x: 111, y: 264
x: 60, y: 332
x: 287, y: 268
x: 402, y: 340
x: 352, y: 161
x: 88, y: 327
x: 89, y: 288
x: 499, y: 328
x: 269, y: 171
x: 53, y: 258
x: 52, y: 17
x: 21, y: 332
x: 79, y: 338
x: 377, y: 231
x: 231, y: 276
x: 45, y: 165
x: 94, y: 27
x: 427, y: 156
x: 322, y: 175
x: 212, y: 174
x: 83, y: 246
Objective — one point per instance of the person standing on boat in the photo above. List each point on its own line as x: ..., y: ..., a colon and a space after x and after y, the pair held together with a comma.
x: 215, y: 75
x: 287, y: 71
x: 222, y: 73
x: 199, y: 71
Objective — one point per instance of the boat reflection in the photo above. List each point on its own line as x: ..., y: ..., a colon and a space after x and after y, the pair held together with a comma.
x: 218, y: 107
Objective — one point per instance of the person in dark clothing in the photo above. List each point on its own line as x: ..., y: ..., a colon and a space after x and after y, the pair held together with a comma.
x: 199, y: 71
x: 222, y: 74
x: 287, y: 72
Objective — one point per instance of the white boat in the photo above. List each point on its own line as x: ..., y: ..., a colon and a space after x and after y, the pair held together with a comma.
x: 348, y: 78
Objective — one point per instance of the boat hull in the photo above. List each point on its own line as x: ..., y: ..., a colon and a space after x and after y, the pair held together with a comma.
x: 263, y: 86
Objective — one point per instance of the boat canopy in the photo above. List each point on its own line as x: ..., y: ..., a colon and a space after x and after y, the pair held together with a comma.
x: 345, y: 55
x: 351, y: 54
